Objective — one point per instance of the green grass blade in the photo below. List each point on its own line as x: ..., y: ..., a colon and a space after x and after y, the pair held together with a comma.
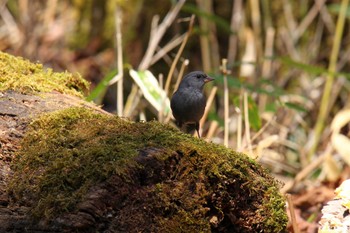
x: 100, y: 90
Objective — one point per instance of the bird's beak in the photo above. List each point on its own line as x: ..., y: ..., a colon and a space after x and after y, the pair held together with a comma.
x: 208, y: 79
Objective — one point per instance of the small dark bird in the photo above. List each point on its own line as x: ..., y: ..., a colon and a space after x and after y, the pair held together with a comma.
x: 188, y: 102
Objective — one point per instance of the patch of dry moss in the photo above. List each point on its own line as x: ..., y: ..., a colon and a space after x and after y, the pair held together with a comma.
x: 23, y: 76
x: 66, y: 152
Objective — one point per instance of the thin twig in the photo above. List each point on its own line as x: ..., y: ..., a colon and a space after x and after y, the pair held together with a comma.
x: 292, y: 213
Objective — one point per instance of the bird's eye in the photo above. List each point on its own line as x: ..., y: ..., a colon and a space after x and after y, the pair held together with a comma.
x: 198, y: 77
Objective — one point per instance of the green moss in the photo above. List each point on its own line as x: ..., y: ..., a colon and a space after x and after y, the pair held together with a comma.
x: 273, y: 210
x: 23, y: 76
x: 67, y: 152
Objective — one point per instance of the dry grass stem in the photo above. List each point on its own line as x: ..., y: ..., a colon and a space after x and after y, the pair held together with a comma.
x: 184, y: 65
x: 157, y: 34
x: 267, y: 63
x: 211, y: 131
x: 292, y: 213
x: 178, y: 54
x: 300, y: 30
x: 246, y: 123
x: 256, y: 20
x: 305, y: 172
x: 327, y: 19
x: 11, y: 26
x: 332, y: 68
x: 239, y: 129
x: 161, y: 110
x: 289, y: 44
x: 49, y: 13
x: 120, y: 89
x: 262, y: 129
x: 178, y: 80
x: 204, y: 38
x: 288, y: 15
x: 208, y: 106
x: 226, y: 103
x: 236, y: 22
x: 161, y: 52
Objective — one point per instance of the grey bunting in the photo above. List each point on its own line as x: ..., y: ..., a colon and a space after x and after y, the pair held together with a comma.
x: 188, y: 102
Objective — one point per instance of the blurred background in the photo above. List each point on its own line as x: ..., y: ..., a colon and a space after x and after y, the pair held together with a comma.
x: 281, y: 72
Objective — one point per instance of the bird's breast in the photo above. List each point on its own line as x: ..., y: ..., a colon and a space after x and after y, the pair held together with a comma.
x: 188, y: 104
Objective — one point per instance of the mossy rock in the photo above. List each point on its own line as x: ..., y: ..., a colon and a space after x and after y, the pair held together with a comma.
x: 92, y: 172
x: 22, y: 76
x: 79, y: 169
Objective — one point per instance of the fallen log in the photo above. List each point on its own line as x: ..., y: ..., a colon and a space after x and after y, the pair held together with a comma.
x: 68, y: 166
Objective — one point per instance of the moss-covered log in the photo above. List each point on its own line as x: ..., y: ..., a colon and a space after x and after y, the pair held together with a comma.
x: 71, y: 167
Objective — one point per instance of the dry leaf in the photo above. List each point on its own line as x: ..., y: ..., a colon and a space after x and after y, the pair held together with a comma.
x: 331, y: 168
x: 341, y: 144
x: 265, y: 143
x: 340, y: 120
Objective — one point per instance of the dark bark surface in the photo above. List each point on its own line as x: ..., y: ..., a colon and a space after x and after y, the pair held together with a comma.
x: 16, y: 112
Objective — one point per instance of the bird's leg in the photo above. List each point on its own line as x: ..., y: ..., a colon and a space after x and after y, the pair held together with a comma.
x: 197, y: 129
